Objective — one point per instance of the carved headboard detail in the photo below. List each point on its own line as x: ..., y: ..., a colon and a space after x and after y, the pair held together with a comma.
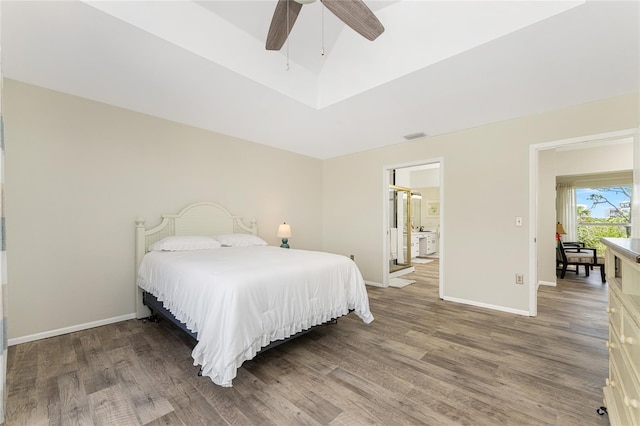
x: 205, y: 218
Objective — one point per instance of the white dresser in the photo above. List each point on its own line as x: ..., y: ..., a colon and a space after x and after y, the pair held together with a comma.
x: 622, y: 390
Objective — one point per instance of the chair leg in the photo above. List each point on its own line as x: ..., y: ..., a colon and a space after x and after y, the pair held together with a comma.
x: 564, y: 271
x: 586, y: 268
x: 602, y: 274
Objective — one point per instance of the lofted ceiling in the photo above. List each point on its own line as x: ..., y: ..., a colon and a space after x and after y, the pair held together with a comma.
x: 440, y: 66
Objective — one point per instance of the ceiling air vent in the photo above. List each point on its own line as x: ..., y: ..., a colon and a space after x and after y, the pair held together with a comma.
x: 413, y: 136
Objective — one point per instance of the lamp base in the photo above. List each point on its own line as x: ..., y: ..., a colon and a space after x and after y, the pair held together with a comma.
x: 285, y: 242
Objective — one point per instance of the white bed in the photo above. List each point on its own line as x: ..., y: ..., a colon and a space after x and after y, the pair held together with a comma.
x: 237, y: 300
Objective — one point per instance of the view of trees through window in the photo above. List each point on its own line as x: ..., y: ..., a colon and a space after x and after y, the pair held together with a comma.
x: 603, y: 213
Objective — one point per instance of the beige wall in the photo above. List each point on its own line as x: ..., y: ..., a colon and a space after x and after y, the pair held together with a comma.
x: 79, y: 172
x: 485, y: 186
x: 635, y: 197
x: 597, y: 159
x: 546, y: 212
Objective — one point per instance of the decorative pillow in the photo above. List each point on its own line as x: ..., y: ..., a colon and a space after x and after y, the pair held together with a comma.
x: 240, y: 240
x: 183, y: 243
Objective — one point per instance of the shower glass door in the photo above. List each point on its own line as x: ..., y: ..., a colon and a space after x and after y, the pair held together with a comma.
x: 399, y: 228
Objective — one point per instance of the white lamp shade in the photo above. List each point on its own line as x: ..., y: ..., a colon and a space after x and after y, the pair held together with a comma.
x: 284, y: 231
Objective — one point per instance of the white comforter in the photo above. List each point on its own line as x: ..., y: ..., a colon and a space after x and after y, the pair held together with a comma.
x: 239, y: 299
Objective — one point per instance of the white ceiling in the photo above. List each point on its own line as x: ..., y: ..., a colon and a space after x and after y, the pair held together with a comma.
x: 440, y: 66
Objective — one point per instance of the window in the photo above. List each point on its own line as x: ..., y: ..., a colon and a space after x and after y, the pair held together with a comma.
x: 603, y: 212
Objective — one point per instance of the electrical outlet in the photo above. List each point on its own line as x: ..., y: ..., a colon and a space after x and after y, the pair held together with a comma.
x: 519, y: 279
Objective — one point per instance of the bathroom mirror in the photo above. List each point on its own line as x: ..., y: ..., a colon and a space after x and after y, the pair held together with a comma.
x: 416, y: 210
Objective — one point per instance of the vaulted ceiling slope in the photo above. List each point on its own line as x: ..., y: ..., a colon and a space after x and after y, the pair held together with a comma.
x: 440, y: 66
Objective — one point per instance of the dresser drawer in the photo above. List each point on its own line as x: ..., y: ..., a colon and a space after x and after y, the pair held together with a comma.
x: 614, y: 395
x: 614, y: 309
x: 630, y: 340
x: 626, y: 386
x: 613, y: 411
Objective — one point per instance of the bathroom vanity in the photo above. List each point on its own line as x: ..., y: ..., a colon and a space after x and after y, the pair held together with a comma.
x: 424, y: 243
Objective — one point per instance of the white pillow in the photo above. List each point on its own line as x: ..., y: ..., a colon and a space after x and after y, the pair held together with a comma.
x: 183, y: 243
x: 240, y: 240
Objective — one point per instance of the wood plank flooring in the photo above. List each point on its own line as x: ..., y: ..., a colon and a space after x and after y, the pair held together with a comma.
x: 422, y: 361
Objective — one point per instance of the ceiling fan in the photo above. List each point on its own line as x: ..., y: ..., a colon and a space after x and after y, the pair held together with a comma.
x: 354, y: 13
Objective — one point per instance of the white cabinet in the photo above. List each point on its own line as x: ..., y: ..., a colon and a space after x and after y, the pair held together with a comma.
x: 622, y: 390
x: 423, y: 244
x: 415, y: 245
x: 428, y: 244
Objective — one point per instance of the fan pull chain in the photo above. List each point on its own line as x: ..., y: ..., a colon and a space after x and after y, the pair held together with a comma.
x: 322, y: 23
x: 288, y: 35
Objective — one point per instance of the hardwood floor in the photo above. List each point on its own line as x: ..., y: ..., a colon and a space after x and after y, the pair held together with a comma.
x: 422, y: 361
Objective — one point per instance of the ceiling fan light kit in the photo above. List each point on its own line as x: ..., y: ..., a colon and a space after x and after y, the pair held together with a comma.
x: 354, y: 13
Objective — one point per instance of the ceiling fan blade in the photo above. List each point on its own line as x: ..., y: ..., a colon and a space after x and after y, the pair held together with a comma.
x: 357, y: 15
x: 279, y: 28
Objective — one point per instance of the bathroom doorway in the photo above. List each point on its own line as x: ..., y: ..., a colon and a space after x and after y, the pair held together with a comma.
x: 412, y: 217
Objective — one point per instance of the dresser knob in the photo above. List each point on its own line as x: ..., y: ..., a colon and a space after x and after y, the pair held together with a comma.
x: 634, y: 403
x: 623, y: 339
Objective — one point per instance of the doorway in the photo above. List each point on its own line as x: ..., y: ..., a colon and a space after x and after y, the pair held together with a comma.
x: 542, y: 177
x: 412, y: 206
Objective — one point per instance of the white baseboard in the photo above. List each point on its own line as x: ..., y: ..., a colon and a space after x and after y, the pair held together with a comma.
x: 547, y: 283
x: 487, y: 306
x: 61, y: 331
x: 373, y: 283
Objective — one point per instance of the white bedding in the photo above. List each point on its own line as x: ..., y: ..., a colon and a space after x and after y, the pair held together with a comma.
x: 239, y: 299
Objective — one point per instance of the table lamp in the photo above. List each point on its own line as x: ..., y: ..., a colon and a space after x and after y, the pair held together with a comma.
x: 284, y: 232
x: 559, y: 231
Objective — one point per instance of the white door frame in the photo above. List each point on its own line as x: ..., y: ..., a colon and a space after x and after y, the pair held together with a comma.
x: 385, y: 216
x: 533, y: 196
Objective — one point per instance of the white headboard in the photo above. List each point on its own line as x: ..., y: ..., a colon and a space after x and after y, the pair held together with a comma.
x: 207, y: 219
